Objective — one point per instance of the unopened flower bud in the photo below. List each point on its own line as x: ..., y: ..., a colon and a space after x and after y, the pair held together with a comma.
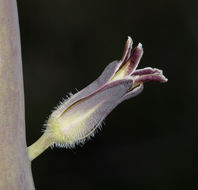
x: 79, y: 117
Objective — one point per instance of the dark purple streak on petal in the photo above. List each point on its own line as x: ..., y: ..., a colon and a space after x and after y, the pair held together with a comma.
x: 135, y: 59
x: 107, y: 74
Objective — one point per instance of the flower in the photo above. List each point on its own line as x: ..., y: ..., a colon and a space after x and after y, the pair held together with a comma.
x: 77, y: 118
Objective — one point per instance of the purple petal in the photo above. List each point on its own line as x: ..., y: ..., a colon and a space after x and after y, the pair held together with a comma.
x: 135, y: 59
x: 148, y: 74
x: 127, y: 50
x: 107, y: 74
x: 152, y: 77
x: 147, y: 70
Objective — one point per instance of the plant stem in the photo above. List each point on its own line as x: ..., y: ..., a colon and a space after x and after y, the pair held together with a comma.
x: 15, y: 167
x: 40, y: 146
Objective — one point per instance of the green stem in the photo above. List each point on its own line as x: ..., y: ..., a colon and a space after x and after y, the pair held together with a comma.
x: 40, y: 146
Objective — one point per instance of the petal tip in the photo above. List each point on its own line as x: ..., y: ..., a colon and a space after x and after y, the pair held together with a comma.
x: 127, y: 49
x: 140, y: 45
x: 164, y: 79
x: 130, y: 41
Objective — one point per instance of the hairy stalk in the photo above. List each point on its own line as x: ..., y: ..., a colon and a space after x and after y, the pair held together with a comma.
x: 15, y: 169
x: 40, y: 146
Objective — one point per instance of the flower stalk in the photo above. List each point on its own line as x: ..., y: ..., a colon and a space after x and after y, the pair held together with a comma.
x: 40, y: 146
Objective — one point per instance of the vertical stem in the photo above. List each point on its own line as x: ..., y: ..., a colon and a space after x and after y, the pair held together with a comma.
x: 15, y: 169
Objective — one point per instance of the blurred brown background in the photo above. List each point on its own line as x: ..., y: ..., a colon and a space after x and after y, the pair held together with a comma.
x: 148, y: 142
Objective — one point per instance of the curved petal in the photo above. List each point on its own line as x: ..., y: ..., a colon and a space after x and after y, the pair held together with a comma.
x: 127, y: 50
x: 159, y: 77
x: 135, y: 59
x: 146, y: 70
x: 106, y: 75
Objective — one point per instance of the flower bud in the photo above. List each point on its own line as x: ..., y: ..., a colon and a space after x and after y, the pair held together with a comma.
x: 78, y: 117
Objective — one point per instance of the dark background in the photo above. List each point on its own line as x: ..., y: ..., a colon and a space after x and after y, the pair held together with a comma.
x: 148, y: 142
